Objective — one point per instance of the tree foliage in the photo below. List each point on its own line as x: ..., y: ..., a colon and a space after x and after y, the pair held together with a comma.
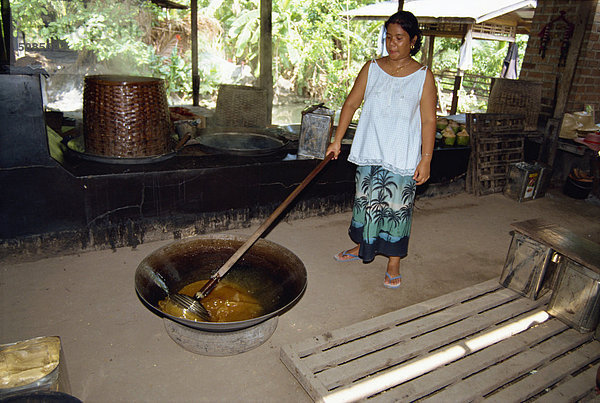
x: 313, y: 47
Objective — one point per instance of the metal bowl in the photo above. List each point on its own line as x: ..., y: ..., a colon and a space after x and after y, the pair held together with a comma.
x: 240, y: 141
x: 272, y: 274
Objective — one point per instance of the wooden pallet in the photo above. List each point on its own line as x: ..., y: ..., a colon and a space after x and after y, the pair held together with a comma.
x: 482, y: 342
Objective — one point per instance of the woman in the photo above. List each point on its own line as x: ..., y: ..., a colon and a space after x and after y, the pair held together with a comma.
x: 392, y: 147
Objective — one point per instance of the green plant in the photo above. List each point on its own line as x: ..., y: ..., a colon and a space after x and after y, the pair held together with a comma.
x: 320, y: 51
x: 32, y: 17
x: 488, y: 56
x: 176, y: 73
x: 313, y: 47
x: 469, y: 102
x: 109, y: 30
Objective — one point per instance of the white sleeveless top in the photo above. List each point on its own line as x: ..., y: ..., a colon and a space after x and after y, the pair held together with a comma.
x: 389, y: 128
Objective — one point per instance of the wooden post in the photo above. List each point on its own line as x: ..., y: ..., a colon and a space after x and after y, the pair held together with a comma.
x: 548, y: 148
x: 430, y: 51
x: 583, y: 12
x: 195, y: 76
x: 400, y: 5
x: 457, y: 83
x: 266, y: 54
x: 424, y: 44
x: 547, y: 151
x: 7, y: 54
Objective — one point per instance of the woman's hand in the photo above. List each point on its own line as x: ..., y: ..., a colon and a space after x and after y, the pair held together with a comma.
x: 334, y: 148
x: 423, y: 171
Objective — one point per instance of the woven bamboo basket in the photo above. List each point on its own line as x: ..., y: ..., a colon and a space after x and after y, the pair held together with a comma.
x: 517, y: 97
x: 241, y: 106
x: 126, y: 117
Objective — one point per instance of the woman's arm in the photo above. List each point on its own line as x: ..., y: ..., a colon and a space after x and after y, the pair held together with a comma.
x: 351, y: 104
x: 428, y: 119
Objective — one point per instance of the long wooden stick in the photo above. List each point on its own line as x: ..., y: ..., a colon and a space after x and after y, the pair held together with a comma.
x: 215, y: 278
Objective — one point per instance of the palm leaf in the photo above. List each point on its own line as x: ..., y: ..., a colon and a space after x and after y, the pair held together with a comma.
x: 384, y: 183
x: 395, y: 217
x: 405, y: 212
x: 376, y: 209
x: 408, y: 192
x: 366, y: 182
x: 361, y: 203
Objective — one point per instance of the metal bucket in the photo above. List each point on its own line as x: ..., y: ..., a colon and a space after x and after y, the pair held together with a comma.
x: 271, y: 273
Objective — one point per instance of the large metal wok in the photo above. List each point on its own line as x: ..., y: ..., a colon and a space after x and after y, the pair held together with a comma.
x: 272, y: 273
x: 249, y: 142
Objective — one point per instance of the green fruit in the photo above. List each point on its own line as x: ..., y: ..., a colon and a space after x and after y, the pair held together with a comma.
x: 449, y: 140
x: 462, y: 140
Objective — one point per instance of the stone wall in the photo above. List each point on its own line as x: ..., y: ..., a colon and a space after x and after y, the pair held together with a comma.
x: 585, y: 87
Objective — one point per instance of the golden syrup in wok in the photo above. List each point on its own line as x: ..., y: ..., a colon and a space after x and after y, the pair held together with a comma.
x: 226, y: 303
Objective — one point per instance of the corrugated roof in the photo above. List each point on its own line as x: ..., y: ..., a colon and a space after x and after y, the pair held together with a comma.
x: 474, y: 11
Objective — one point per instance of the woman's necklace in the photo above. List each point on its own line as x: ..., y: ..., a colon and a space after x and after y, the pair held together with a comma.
x: 399, y: 68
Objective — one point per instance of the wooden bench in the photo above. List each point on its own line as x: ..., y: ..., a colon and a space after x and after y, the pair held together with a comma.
x: 482, y: 342
x: 563, y: 241
x: 574, y: 282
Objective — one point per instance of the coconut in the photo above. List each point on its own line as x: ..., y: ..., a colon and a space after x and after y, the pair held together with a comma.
x: 455, y: 126
x: 441, y: 123
x: 462, y: 138
x: 449, y: 136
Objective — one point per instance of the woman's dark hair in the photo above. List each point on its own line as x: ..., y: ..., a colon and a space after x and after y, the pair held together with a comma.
x: 409, y: 23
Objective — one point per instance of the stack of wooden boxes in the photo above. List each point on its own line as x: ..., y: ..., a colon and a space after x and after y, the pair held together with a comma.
x: 497, y: 140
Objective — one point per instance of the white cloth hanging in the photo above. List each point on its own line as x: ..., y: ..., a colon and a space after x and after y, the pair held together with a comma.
x: 465, y: 56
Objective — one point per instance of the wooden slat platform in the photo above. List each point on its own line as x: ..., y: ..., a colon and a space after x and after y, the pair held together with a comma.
x: 484, y: 342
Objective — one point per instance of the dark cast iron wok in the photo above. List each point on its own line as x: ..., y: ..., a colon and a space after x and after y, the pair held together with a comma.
x: 272, y: 273
x: 241, y: 141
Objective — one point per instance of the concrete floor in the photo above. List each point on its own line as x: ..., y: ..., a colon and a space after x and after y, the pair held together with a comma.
x: 117, y: 350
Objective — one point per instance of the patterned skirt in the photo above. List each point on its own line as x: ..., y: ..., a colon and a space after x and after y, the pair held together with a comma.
x: 382, y: 213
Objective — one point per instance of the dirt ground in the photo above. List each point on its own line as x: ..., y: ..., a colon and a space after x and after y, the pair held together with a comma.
x: 116, y: 350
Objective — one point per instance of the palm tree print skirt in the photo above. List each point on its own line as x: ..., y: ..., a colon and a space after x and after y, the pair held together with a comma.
x: 382, y: 213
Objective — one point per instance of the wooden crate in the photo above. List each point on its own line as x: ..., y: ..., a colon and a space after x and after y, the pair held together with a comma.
x: 450, y: 349
x: 497, y: 140
x: 494, y: 124
x: 494, y: 156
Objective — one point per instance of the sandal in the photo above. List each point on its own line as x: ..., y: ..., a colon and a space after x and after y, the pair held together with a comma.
x: 340, y: 257
x: 390, y: 278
